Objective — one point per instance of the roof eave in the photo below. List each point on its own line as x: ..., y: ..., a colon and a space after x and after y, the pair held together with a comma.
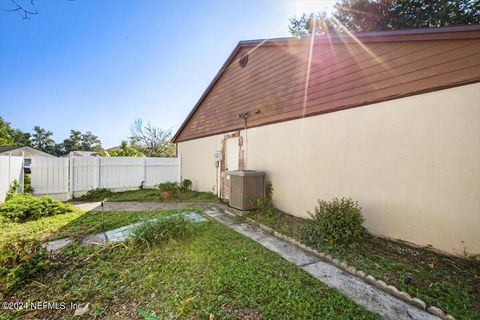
x: 424, y: 34
x: 219, y: 73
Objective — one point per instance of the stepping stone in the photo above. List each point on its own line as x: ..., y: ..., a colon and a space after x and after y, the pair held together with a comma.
x: 54, y: 246
x: 119, y: 234
x: 363, y: 293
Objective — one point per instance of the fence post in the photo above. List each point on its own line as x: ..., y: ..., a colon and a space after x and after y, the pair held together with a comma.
x: 22, y: 174
x: 9, y: 165
x: 144, y: 171
x: 70, y: 175
x: 179, y: 168
x: 98, y: 172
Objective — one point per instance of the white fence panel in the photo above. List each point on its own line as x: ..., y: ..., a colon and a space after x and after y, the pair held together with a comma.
x: 159, y: 170
x: 63, y: 177
x: 85, y: 173
x: 121, y: 172
x: 50, y: 175
x: 11, y: 168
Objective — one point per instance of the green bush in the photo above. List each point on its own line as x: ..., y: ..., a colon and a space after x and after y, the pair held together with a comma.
x: 27, y: 184
x: 265, y: 205
x: 23, y: 207
x: 21, y: 260
x: 163, y: 228
x: 337, y: 221
x: 98, y: 194
x: 186, y: 185
x: 168, y: 187
x: 12, y: 190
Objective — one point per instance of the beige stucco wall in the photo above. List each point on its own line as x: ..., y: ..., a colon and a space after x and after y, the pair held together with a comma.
x: 198, y: 162
x: 412, y: 163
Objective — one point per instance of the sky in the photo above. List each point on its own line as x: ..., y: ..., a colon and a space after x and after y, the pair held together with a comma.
x: 99, y: 65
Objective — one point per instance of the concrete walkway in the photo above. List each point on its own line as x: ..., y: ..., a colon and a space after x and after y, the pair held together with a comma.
x: 139, y: 206
x: 364, y: 294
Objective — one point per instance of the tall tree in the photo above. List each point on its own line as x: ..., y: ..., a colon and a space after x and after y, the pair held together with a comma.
x: 150, y: 140
x: 90, y: 142
x: 12, y: 137
x: 22, y: 138
x: 317, y: 23
x: 7, y: 134
x: 73, y: 143
x: 384, y: 15
x: 42, y: 140
x: 79, y: 141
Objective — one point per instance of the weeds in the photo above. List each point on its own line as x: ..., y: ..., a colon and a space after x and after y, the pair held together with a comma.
x: 98, y: 194
x: 21, y: 260
x: 161, y: 229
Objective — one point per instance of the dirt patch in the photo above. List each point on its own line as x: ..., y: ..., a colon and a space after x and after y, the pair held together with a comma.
x: 242, y: 313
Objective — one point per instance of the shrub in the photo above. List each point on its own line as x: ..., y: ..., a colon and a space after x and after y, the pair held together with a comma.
x: 265, y: 205
x: 186, y: 185
x: 21, y: 260
x: 164, y: 228
x: 98, y: 194
x: 23, y: 207
x: 27, y: 184
x: 337, y: 221
x: 168, y: 187
x: 12, y: 190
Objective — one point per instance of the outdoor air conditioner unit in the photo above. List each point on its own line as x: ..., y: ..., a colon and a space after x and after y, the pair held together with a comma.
x: 246, y: 186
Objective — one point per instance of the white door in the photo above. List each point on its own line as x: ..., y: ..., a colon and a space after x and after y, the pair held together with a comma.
x: 232, y: 154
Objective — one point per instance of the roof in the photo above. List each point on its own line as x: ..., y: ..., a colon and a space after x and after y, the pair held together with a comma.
x: 4, y: 149
x: 82, y: 154
x: 9, y: 148
x: 446, y: 33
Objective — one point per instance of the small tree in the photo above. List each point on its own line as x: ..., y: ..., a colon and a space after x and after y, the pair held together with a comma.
x: 152, y: 141
x: 126, y: 151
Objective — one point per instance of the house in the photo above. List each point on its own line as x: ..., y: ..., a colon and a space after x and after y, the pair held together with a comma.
x: 390, y: 119
x: 83, y: 154
x: 27, y: 152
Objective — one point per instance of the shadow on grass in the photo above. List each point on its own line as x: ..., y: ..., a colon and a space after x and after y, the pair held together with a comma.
x: 151, y: 195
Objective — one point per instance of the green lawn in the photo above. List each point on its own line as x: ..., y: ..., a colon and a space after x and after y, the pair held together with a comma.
x: 450, y: 283
x: 74, y: 225
x: 215, y: 272
x: 151, y: 194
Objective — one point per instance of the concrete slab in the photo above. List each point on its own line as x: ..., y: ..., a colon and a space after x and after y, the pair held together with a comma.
x: 364, y: 294
x: 123, y: 233
x: 117, y: 235
x: 56, y: 245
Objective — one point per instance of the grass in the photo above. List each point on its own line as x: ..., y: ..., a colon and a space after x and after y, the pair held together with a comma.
x: 450, y: 283
x: 214, y: 271
x: 75, y: 224
x: 150, y: 194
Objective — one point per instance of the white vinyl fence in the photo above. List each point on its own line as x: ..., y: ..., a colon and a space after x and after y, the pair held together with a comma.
x: 11, y: 168
x: 63, y: 178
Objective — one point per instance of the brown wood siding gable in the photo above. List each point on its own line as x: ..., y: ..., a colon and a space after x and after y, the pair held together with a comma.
x: 280, y: 82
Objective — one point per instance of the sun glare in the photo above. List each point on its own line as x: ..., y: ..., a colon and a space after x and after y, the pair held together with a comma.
x: 306, y: 6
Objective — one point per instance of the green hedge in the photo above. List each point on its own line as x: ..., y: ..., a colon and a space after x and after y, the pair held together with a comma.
x: 24, y: 207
